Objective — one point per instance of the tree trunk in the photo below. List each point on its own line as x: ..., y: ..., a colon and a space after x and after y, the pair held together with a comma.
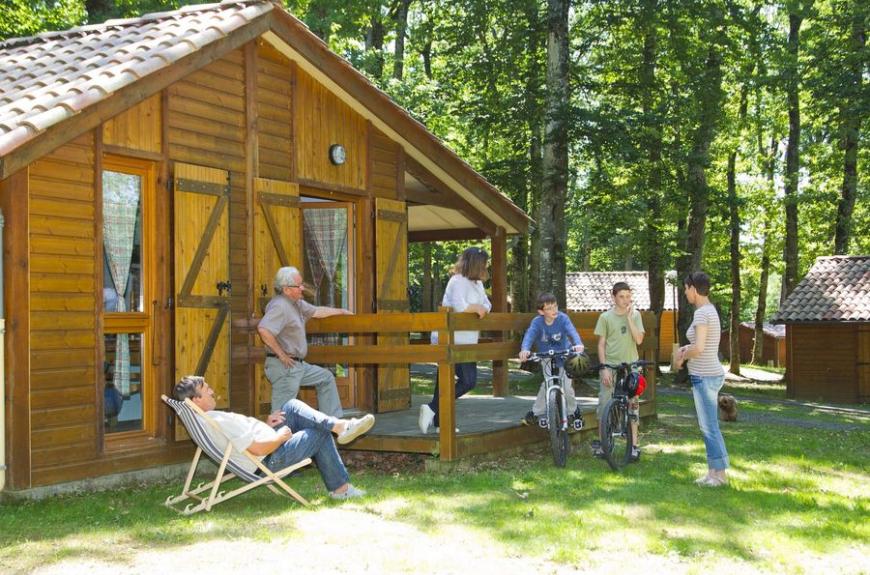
x: 792, y: 157
x: 710, y: 105
x: 761, y: 307
x: 375, y: 47
x: 99, y: 10
x: 551, y: 213
x: 427, y: 277
x: 653, y: 144
x: 734, y: 224
x: 401, y: 32
x: 851, y: 117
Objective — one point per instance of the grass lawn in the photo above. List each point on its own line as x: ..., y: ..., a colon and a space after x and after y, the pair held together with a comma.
x: 798, y: 503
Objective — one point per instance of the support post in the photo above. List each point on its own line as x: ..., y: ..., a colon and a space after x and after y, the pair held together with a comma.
x: 498, y: 243
x: 447, y: 395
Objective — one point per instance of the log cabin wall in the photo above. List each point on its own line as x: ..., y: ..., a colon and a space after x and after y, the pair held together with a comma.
x: 207, y: 121
x: 274, y: 115
x: 834, y: 379
x: 63, y: 311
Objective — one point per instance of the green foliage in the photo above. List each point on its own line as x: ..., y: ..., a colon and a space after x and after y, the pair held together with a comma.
x: 28, y: 17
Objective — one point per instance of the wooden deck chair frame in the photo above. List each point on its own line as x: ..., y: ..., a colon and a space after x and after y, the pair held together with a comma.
x: 227, y: 469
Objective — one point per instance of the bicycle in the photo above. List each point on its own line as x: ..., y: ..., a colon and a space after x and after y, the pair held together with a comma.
x: 557, y: 407
x: 615, y: 429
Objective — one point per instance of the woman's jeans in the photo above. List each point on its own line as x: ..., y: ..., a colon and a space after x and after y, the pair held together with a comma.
x: 706, y: 392
x: 466, y: 379
x: 312, y: 437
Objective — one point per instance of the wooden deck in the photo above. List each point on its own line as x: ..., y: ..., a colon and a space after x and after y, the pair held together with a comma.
x: 486, y: 424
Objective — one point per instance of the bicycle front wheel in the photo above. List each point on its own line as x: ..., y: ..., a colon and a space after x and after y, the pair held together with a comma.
x: 558, y: 435
x: 616, y: 438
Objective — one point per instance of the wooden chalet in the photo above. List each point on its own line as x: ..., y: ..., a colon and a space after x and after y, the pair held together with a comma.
x: 827, y: 327
x: 773, y: 349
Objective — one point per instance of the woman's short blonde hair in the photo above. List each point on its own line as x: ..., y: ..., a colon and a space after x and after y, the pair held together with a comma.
x: 472, y: 264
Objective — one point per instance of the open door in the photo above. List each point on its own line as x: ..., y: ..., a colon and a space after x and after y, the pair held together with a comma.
x: 391, y: 255
x: 202, y: 276
x: 277, y: 243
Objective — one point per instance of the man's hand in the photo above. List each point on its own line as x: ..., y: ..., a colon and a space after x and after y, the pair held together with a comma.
x: 276, y: 418
x: 524, y: 355
x: 286, y: 360
x: 579, y: 348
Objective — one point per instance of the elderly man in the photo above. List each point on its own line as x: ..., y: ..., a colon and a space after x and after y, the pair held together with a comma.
x: 288, y: 436
x: 282, y: 329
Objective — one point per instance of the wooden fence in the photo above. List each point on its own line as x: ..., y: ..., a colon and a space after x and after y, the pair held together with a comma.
x: 504, y: 330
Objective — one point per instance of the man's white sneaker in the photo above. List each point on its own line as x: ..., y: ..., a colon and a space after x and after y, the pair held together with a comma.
x: 355, y: 428
x: 426, y: 418
x: 351, y: 493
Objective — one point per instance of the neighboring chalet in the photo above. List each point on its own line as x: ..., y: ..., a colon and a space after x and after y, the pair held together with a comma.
x: 591, y: 292
x: 827, y: 320
x: 154, y: 174
x: 773, y: 350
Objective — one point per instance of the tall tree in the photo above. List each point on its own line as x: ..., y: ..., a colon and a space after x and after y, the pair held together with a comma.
x: 401, y: 17
x: 551, y: 212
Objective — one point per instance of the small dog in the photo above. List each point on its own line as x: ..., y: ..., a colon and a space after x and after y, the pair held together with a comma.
x: 727, y: 407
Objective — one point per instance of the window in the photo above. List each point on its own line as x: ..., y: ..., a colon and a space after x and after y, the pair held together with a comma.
x: 128, y: 285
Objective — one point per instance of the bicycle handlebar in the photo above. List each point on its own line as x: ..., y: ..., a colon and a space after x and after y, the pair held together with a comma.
x: 638, y: 363
x: 534, y: 356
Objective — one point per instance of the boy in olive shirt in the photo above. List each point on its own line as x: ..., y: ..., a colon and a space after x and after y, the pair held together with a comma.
x: 619, y: 331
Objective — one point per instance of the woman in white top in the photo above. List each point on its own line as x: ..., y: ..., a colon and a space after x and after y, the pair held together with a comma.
x: 464, y: 293
x: 706, y: 375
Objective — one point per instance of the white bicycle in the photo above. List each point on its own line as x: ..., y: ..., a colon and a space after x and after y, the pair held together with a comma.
x: 557, y: 405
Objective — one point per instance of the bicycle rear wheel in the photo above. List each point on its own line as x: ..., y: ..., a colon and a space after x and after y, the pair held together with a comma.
x: 558, y: 436
x: 616, y: 438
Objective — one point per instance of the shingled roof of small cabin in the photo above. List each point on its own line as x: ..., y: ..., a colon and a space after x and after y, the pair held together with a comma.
x: 837, y: 288
x: 590, y: 291
x: 74, y: 79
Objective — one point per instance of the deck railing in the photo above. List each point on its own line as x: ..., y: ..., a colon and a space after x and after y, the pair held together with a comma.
x: 505, y: 329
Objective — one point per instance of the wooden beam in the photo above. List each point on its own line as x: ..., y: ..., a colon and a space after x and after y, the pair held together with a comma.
x: 14, y: 200
x: 252, y: 166
x: 128, y: 96
x: 498, y: 257
x: 446, y: 235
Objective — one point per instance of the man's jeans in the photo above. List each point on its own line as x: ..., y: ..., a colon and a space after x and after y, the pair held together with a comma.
x: 312, y: 437
x: 286, y: 382
x: 706, y: 392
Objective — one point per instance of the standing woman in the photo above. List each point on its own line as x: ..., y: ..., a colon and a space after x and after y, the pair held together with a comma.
x: 464, y: 293
x: 706, y: 374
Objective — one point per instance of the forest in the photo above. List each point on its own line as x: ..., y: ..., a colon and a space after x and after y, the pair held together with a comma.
x: 657, y: 135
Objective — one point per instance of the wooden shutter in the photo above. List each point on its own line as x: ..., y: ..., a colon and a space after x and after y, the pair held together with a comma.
x: 202, y: 276
x: 277, y: 243
x: 391, y: 257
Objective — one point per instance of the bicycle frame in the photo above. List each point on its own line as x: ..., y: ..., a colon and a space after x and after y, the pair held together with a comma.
x: 554, y: 381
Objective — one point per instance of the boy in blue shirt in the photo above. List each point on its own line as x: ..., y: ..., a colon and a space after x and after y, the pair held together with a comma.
x: 551, y: 330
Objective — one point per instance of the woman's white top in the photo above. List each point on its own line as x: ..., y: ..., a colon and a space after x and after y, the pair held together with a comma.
x: 462, y: 292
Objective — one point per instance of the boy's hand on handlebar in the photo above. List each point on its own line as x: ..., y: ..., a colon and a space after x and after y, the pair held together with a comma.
x: 579, y: 348
x: 524, y: 355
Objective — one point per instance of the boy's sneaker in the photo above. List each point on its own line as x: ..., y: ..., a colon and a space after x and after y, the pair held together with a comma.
x: 596, y: 448
x: 635, y: 455
x: 542, y: 423
x: 529, y: 419
x: 351, y: 493
x: 575, y: 420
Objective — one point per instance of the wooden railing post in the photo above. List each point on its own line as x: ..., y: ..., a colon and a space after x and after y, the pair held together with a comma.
x: 499, y: 304
x: 447, y: 395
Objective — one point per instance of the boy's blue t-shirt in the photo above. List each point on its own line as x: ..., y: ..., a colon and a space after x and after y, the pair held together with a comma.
x: 559, y: 336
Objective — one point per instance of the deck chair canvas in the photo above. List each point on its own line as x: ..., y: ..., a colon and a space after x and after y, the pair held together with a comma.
x: 193, y: 419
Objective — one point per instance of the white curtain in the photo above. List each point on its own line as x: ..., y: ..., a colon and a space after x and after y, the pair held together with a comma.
x: 120, y: 210
x: 326, y: 235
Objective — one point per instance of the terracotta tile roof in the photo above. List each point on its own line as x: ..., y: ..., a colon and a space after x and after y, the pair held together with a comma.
x: 48, y: 78
x: 837, y: 288
x: 773, y: 330
x: 590, y: 291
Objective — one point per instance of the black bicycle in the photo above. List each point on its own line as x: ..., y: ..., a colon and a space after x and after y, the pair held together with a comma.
x: 615, y: 430
x: 557, y: 407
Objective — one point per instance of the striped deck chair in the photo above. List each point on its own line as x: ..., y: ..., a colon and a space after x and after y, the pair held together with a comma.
x: 227, y: 469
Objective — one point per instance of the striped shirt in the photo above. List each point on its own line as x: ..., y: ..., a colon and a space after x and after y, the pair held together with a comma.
x: 706, y: 364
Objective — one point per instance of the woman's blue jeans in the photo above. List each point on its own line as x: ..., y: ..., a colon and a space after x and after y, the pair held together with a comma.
x: 312, y: 437
x: 705, y: 389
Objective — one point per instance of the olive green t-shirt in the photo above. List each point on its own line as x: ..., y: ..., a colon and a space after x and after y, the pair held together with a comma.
x: 619, y: 346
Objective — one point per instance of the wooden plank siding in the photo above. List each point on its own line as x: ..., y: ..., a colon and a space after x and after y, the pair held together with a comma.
x: 206, y: 127
x: 321, y: 119
x: 385, y: 178
x: 138, y: 128
x: 274, y: 114
x: 834, y: 379
x: 63, y: 338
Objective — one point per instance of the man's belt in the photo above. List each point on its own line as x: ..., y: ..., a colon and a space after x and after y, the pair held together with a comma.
x: 273, y: 354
